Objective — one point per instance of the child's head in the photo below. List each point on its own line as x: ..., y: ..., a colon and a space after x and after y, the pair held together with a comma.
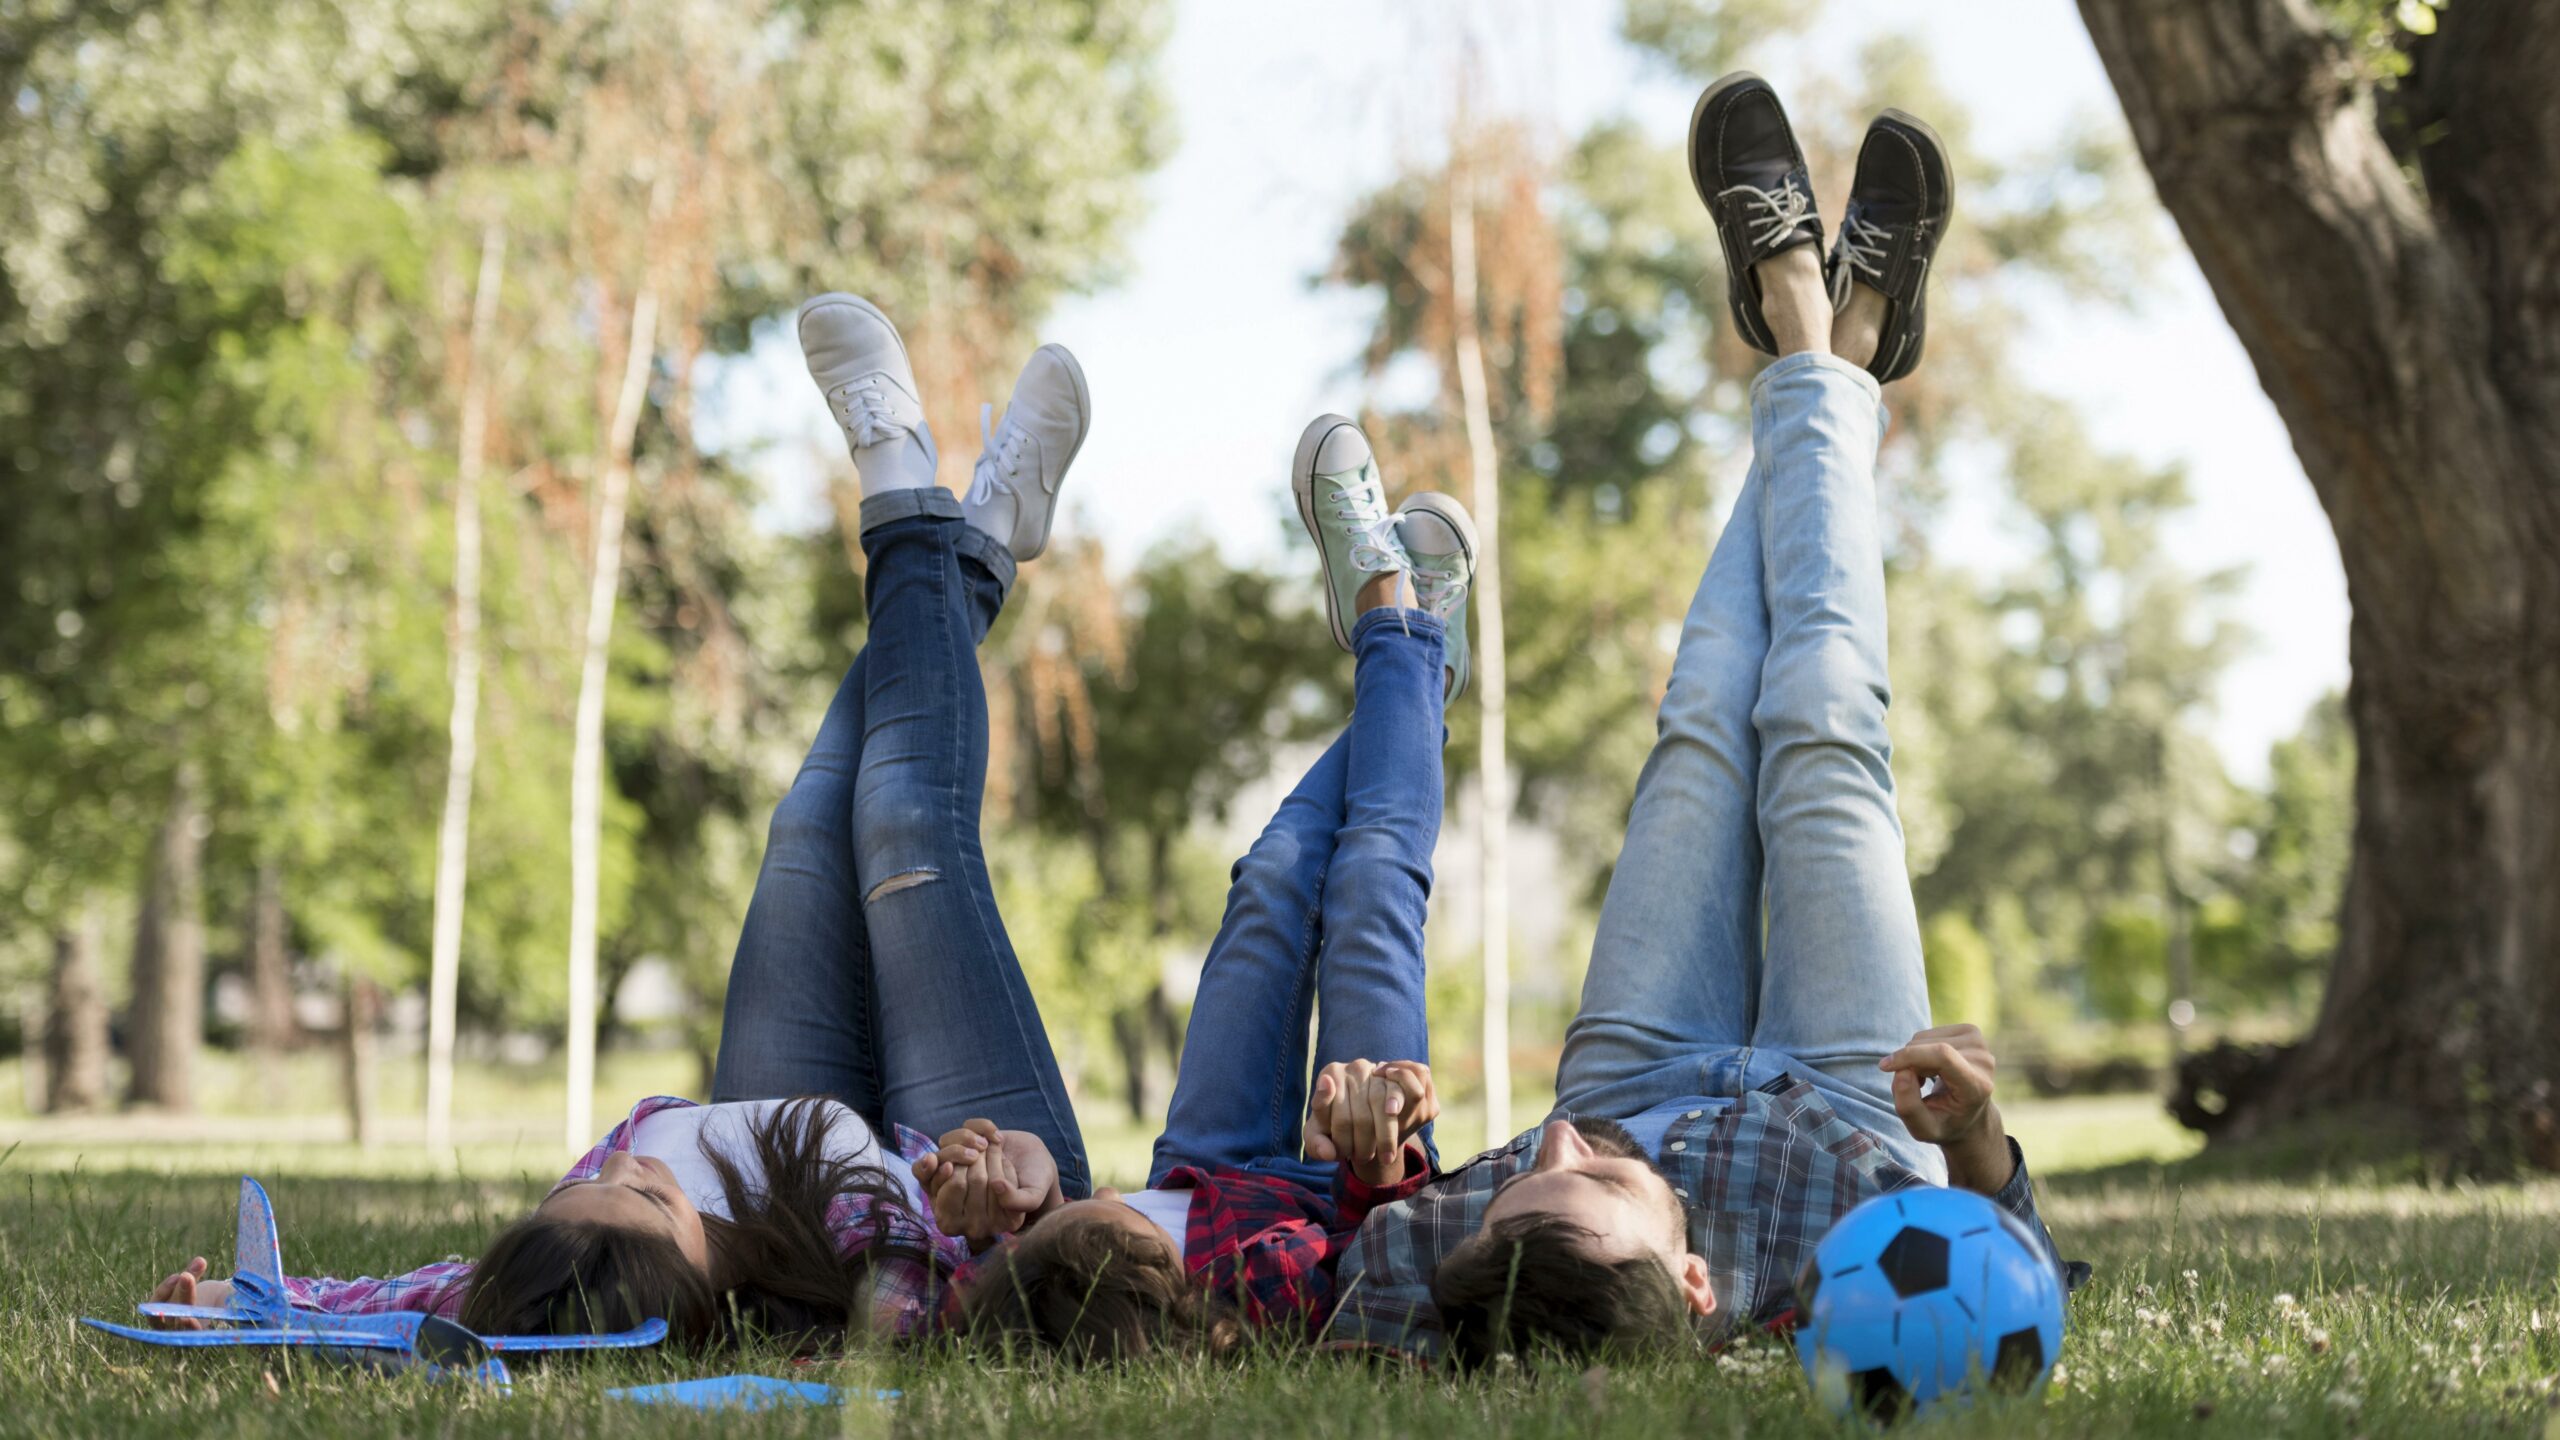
x: 1094, y: 1280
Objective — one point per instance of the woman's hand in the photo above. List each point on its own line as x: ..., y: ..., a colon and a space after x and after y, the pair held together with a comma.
x: 1361, y: 1113
x: 188, y: 1287
x: 1959, y: 1115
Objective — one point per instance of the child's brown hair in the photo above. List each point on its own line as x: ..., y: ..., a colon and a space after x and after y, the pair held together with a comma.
x: 1094, y: 1293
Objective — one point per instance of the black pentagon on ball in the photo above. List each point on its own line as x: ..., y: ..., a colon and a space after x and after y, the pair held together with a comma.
x: 1915, y: 1262
x: 1808, y: 1284
x: 1877, y: 1395
x: 2018, y: 1361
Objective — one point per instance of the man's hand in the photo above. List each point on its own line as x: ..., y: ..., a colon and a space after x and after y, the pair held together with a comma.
x: 986, y: 1182
x: 189, y: 1287
x: 1957, y: 1114
x: 1361, y: 1113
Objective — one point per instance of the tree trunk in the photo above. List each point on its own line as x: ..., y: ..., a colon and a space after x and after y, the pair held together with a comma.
x: 75, y: 1033
x: 166, y: 1023
x: 360, y: 1011
x: 1493, y: 759
x: 462, y: 726
x: 586, y: 775
x: 2411, y: 341
x: 271, y: 1026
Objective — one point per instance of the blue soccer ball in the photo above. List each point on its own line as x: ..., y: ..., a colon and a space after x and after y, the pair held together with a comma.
x: 1916, y: 1298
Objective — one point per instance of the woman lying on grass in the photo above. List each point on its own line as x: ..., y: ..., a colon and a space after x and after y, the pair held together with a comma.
x: 872, y: 978
x: 1326, y: 910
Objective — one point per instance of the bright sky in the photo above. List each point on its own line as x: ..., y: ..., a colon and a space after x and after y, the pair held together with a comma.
x: 1214, y: 351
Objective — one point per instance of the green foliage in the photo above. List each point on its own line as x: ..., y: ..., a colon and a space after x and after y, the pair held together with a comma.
x: 1963, y: 985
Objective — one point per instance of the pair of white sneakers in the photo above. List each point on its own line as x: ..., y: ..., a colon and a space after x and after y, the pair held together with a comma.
x: 860, y: 364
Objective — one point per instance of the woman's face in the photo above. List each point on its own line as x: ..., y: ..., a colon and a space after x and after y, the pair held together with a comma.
x: 635, y: 1193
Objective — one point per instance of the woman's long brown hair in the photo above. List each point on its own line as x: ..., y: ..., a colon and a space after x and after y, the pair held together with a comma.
x: 783, y: 1271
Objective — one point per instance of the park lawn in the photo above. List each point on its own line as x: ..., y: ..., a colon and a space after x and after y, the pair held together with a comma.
x: 2223, y: 1305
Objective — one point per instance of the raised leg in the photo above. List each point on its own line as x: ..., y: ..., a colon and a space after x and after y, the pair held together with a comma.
x: 798, y: 1016
x: 1369, y: 967
x: 1842, y: 983
x: 1244, y: 1053
x: 957, y: 1032
x: 1675, y: 962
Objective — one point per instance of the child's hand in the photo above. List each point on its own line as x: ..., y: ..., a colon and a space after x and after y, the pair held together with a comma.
x: 1361, y: 1113
x: 189, y: 1287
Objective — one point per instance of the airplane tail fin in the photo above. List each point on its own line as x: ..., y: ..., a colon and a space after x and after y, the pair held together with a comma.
x: 257, y: 1260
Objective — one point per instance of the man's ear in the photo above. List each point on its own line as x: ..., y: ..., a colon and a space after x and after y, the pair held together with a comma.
x: 1695, y: 1287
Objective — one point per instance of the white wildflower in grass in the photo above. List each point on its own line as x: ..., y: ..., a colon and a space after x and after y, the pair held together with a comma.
x: 2345, y: 1402
x: 2276, y: 1364
x: 2319, y: 1339
x: 2211, y: 1325
x: 2191, y: 1279
x: 2156, y: 1319
x: 2286, y: 1304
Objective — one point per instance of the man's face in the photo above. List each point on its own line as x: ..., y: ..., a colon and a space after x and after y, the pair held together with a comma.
x: 1593, y: 1174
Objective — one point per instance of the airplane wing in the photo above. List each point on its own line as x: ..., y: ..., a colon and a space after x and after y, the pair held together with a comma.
x: 256, y: 1335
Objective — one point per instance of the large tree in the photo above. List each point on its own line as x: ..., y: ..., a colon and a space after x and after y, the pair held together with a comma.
x: 2382, y: 245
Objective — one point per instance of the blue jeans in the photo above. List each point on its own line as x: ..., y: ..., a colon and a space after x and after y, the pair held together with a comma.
x: 873, y: 967
x: 1760, y: 918
x: 1325, y: 911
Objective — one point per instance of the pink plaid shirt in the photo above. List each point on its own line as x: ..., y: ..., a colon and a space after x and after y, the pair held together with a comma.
x: 904, y: 1290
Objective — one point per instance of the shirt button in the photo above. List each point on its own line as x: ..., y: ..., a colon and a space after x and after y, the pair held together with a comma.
x: 1677, y: 1146
x: 1694, y: 1114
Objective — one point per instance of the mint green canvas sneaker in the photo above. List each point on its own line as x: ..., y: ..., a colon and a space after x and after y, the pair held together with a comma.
x: 1344, y: 504
x: 1440, y: 550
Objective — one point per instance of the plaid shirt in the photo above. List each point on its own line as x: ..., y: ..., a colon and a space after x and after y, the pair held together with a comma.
x: 1266, y: 1243
x: 1762, y: 1179
x: 904, y: 1290
x: 1269, y: 1244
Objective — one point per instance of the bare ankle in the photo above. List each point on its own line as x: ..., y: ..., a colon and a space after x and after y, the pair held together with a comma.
x: 1795, y: 301
x: 1380, y: 593
x: 1859, y: 327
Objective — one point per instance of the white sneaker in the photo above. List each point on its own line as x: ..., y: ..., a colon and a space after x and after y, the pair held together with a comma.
x: 860, y: 364
x: 1440, y: 540
x: 1014, y: 496
x: 1344, y: 505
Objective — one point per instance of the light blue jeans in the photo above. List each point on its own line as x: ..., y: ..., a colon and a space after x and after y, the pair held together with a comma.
x: 1760, y: 919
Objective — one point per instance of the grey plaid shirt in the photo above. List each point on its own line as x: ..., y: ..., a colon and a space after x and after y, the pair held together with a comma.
x: 1763, y: 1178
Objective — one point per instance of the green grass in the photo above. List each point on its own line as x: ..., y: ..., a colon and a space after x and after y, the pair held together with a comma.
x: 2223, y: 1306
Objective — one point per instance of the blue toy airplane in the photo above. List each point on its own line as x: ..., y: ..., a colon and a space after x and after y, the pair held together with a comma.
x: 261, y: 1314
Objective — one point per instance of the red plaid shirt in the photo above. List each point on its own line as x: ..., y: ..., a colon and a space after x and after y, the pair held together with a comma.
x: 1270, y: 1244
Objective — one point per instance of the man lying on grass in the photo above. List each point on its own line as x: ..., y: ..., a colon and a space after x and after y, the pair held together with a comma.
x: 1753, y: 1055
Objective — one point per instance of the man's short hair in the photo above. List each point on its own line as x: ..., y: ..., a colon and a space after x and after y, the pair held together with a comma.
x: 1531, y: 1284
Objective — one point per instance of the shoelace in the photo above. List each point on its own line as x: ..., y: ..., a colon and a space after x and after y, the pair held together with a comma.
x: 1361, y: 505
x: 995, y: 458
x: 1864, y: 245
x: 1781, y: 209
x: 866, y: 413
x: 1437, y: 593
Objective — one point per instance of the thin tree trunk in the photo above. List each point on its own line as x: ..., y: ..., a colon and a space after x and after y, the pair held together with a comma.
x: 462, y: 727
x: 271, y: 1027
x: 361, y: 1008
x: 586, y: 776
x: 2411, y: 340
x: 167, y: 1020
x: 1493, y: 762
x: 75, y: 1034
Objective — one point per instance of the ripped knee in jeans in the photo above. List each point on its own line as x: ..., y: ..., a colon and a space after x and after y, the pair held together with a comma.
x: 903, y: 880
